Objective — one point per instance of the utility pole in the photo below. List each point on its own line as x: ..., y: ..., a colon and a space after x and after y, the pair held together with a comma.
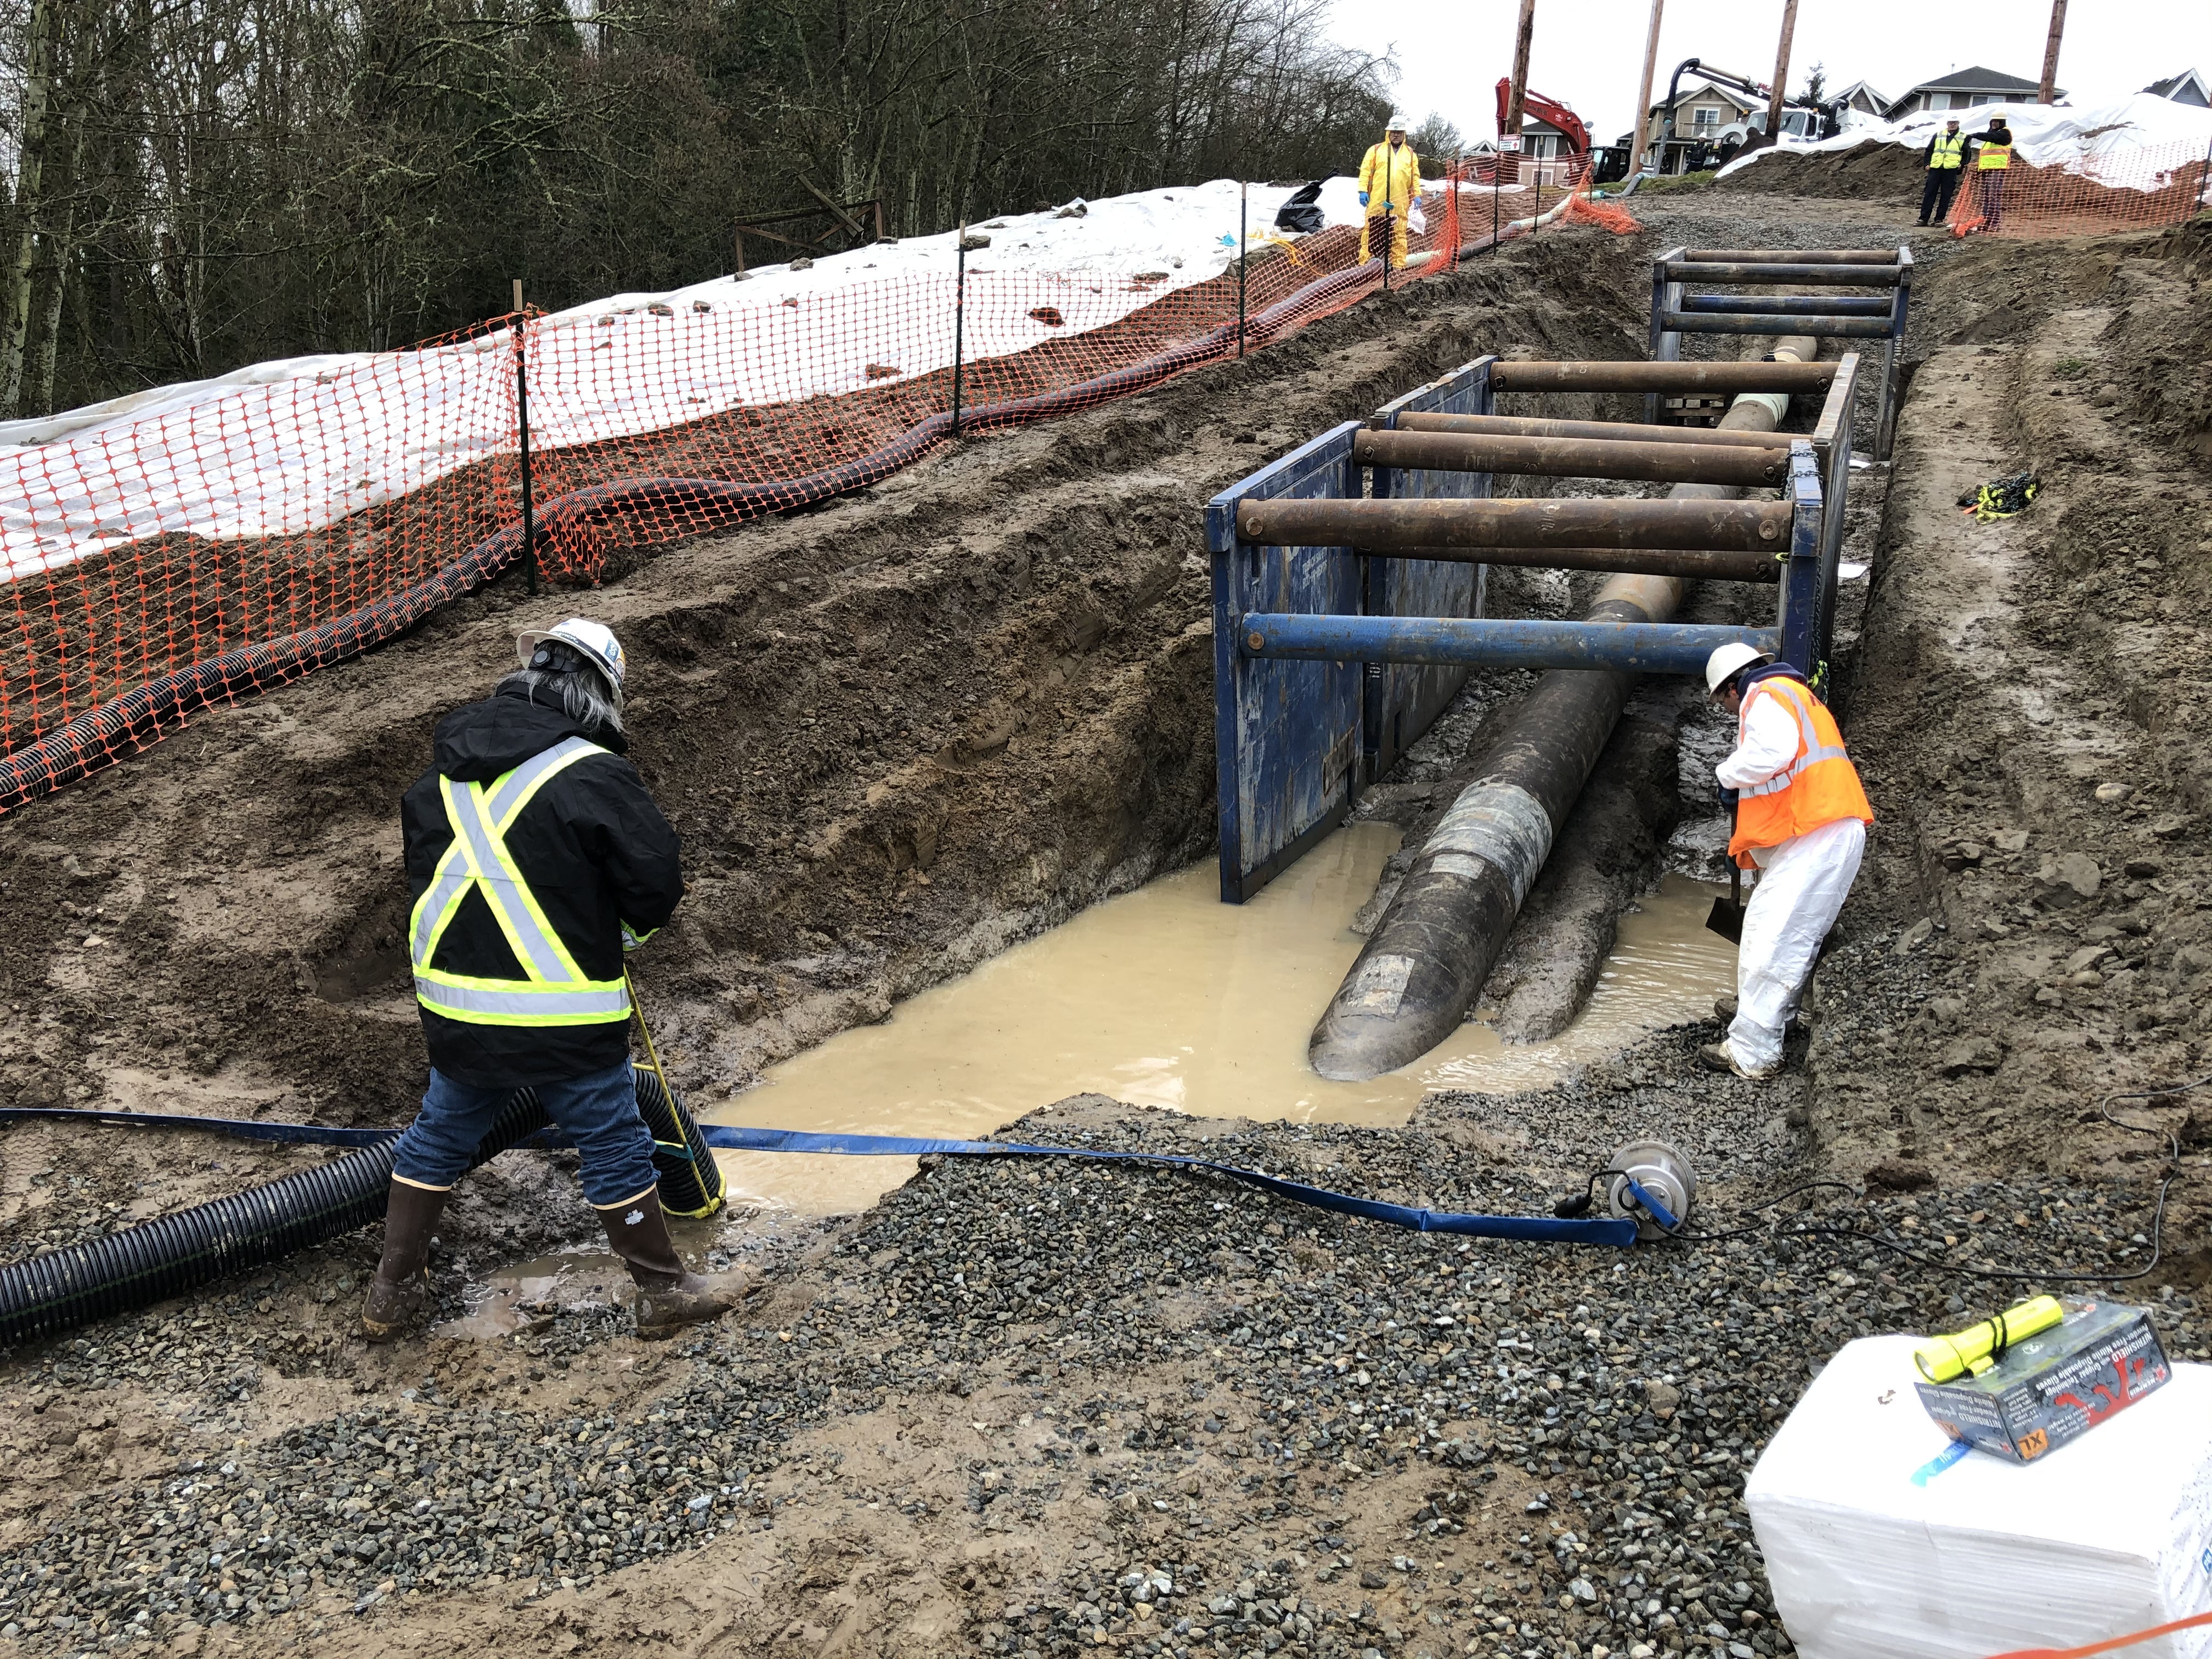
x: 1781, y: 73
x: 1519, y: 92
x: 2048, y: 92
x: 1521, y: 39
x: 1644, y: 122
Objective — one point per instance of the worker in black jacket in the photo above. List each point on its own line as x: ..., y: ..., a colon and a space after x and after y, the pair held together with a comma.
x: 537, y: 859
x: 1945, y: 158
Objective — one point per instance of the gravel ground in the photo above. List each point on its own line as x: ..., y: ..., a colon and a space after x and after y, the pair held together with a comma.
x: 1557, y: 1437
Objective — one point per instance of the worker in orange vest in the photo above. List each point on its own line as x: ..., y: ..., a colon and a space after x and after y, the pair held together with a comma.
x: 1801, y: 821
x: 1390, y: 184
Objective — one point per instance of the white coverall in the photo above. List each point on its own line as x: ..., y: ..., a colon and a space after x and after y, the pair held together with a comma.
x: 1803, y: 884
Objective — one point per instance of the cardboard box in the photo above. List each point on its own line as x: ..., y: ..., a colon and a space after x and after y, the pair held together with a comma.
x: 2055, y: 1386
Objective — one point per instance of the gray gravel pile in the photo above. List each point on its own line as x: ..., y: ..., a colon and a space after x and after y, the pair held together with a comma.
x: 1632, y: 1390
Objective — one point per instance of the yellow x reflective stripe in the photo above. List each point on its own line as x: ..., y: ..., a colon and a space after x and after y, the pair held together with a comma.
x: 554, y: 990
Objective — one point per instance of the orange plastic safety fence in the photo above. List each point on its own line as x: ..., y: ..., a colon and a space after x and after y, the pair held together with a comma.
x: 2138, y: 187
x: 152, y: 564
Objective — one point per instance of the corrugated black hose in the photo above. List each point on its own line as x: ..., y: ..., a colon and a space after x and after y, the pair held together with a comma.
x: 64, y: 1288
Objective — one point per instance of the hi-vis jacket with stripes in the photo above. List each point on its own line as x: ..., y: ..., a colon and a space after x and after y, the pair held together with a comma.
x: 535, y: 857
x: 1816, y: 785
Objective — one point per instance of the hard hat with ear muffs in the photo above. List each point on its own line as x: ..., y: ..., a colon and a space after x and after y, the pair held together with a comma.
x: 595, y: 640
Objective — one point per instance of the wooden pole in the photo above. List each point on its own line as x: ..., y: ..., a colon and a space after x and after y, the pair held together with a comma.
x: 1519, y: 93
x: 522, y: 434
x: 1643, y: 121
x: 2048, y: 92
x: 960, y: 316
x: 1781, y: 73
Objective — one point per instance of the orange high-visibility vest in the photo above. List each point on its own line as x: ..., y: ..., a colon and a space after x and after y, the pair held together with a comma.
x: 1819, y: 787
x: 1996, y: 155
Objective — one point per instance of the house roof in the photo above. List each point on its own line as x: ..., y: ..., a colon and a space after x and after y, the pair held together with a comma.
x: 1976, y: 79
x: 1845, y: 94
x: 1702, y: 88
x: 2167, y: 88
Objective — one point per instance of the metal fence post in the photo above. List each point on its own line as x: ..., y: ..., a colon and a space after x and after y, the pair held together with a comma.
x: 959, y: 318
x: 522, y: 433
x: 1243, y: 254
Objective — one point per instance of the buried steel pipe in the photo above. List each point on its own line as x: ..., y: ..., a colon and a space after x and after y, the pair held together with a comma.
x: 1496, y: 642
x: 1572, y: 457
x: 1694, y: 564
x: 1700, y: 322
x: 1624, y: 376
x: 1389, y: 526
x: 1427, y: 957
x: 1537, y: 426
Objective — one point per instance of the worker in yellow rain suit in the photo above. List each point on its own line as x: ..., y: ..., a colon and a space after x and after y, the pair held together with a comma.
x: 1390, y: 184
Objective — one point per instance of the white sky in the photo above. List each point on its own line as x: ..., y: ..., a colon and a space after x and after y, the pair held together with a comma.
x: 1590, y: 52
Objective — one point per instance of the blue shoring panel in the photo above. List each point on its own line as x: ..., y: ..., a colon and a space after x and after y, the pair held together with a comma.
x: 1287, y: 735
x: 1403, y: 700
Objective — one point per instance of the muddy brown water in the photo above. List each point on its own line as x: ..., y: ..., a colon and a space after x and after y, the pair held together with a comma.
x: 1167, y: 997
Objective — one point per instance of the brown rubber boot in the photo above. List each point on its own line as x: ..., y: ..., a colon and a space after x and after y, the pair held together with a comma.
x: 402, y: 1284
x: 669, y: 1294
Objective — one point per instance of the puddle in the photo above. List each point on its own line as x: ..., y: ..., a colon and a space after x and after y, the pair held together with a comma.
x: 1168, y: 997
x: 525, y: 1296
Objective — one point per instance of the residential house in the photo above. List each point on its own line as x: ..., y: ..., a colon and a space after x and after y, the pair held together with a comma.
x: 1700, y: 111
x: 2186, y: 88
x: 1860, y: 97
x: 1965, y: 89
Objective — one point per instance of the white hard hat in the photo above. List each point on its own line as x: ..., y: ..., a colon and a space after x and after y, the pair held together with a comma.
x: 1399, y: 124
x: 1729, y: 660
x: 595, y: 640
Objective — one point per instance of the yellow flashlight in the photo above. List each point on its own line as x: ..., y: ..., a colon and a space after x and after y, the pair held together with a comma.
x: 1974, y: 1350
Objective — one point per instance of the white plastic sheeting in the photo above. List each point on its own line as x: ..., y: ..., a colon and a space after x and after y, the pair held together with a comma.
x: 1881, y: 1540
x: 285, y: 448
x: 2103, y: 142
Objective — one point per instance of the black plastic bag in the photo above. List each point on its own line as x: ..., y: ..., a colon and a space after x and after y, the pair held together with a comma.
x: 1302, y: 212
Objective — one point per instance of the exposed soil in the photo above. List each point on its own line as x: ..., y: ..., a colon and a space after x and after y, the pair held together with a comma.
x: 1863, y: 173
x: 1021, y: 1408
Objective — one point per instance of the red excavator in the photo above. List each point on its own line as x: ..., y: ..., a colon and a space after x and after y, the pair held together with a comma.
x: 1544, y: 109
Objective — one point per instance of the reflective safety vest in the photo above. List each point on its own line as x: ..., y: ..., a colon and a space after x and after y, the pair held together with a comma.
x: 1996, y: 155
x: 1819, y: 787
x: 1950, y: 154
x: 553, y: 990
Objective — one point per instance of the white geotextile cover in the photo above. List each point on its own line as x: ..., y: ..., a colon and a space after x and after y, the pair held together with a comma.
x: 2103, y: 142
x: 1877, y: 1549
x: 284, y: 448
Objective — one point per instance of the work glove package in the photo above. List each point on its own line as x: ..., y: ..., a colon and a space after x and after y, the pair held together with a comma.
x: 1885, y: 1536
x: 2055, y: 1385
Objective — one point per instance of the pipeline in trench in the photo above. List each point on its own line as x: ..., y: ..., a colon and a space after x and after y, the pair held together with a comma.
x: 1166, y: 997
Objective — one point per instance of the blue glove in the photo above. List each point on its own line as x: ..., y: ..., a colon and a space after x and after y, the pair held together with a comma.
x: 1725, y: 796
x: 1362, y: 198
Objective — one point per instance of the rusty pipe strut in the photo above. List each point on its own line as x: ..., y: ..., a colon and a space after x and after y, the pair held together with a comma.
x: 1572, y: 457
x: 1424, y: 963
x: 1390, y: 525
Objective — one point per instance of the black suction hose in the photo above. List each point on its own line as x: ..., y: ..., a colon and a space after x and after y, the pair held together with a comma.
x: 67, y: 1287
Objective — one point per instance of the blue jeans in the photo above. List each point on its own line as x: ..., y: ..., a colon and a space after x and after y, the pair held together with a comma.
x: 597, y: 1111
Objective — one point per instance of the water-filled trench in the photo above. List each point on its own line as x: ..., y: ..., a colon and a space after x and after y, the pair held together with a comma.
x: 1167, y: 997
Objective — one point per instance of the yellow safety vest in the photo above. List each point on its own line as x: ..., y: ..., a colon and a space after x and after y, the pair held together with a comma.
x: 1950, y: 151
x: 1996, y: 155
x: 553, y: 991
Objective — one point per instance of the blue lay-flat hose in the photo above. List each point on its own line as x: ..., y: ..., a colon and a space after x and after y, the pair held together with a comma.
x: 62, y: 1288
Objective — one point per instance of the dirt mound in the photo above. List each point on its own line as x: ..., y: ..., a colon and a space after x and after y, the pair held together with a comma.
x: 1865, y: 172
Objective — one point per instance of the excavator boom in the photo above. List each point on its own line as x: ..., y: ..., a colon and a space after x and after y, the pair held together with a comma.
x: 1549, y: 110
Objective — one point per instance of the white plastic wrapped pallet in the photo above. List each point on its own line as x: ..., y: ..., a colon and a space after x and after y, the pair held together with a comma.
x: 1878, y: 1547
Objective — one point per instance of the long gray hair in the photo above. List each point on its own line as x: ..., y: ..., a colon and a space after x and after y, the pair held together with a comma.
x: 571, y: 683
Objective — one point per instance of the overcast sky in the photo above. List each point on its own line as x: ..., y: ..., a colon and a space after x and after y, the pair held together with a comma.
x: 1590, y: 52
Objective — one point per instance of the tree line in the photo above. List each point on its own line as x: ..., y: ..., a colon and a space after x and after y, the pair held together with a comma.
x: 200, y: 184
